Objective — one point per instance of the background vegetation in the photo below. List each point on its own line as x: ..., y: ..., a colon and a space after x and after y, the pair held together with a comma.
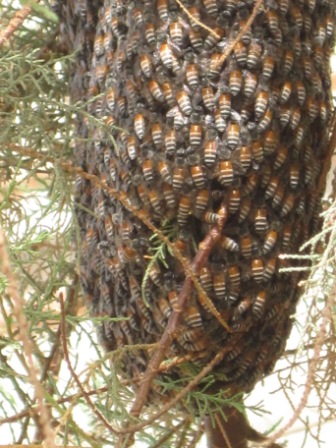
x: 54, y: 377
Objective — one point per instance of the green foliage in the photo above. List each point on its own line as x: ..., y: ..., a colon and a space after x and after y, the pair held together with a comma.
x: 36, y: 218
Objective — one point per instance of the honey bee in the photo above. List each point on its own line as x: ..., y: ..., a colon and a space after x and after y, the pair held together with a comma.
x: 246, y: 246
x: 208, y: 98
x: 272, y: 186
x: 213, y: 39
x: 250, y: 84
x: 273, y: 22
x: 219, y: 121
x: 198, y: 176
x: 294, y: 175
x: 162, y: 7
x: 283, y: 6
x: 270, y: 241
x: 121, y: 105
x: 176, y: 33
x: 196, y: 39
x: 206, y: 279
x: 270, y: 141
x: 288, y: 62
x: 281, y: 156
x: 195, y: 134
x: 146, y: 65
x: 184, y: 102
x: 298, y: 136
x: 178, y: 177
x: 155, y: 200
x: 192, y: 317
x: 98, y: 45
x: 245, y: 207
x: 148, y: 170
x: 225, y: 174
x: 241, y: 309
x: 165, y: 172
x: 295, y: 118
x: 156, y: 91
x: 288, y: 204
x: 169, y: 196
x: 250, y: 184
x: 295, y: 12
x: 150, y: 33
x: 166, y: 55
x: 245, y: 157
x: 258, y: 307
x: 233, y: 200
x: 257, y: 151
x: 270, y: 267
x: 233, y: 135
x: 235, y: 82
x: 210, y: 153
x: 183, y: 210
x: 254, y: 55
x: 139, y: 126
x: 210, y: 217
x: 170, y: 142
x: 312, y: 107
x: 234, y: 276
x: 157, y: 134
x: 229, y: 244
x: 268, y: 65
x: 215, y: 65
x: 285, y: 93
x: 225, y: 105
x: 266, y: 120
x: 240, y: 53
x: 219, y: 285
x: 257, y: 267
x: 192, y: 75
x: 201, y: 201
x: 196, y: 13
x: 211, y: 7
x: 100, y: 73
x: 284, y: 115
x: 260, y: 220
x: 278, y: 195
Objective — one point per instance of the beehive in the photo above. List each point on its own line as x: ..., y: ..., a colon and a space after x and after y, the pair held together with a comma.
x: 195, y: 131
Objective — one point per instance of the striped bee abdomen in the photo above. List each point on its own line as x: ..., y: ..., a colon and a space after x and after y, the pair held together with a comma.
x: 193, y: 131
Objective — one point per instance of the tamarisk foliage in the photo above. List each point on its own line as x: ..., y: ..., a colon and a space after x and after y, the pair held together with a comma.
x: 200, y: 150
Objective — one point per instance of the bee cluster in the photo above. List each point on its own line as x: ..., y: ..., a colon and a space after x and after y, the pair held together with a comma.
x: 194, y: 131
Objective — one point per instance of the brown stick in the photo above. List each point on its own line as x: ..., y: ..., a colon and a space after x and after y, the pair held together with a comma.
x: 15, y: 23
x: 175, y: 317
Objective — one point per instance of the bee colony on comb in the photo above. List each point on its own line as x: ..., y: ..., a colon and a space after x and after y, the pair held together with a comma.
x: 195, y: 131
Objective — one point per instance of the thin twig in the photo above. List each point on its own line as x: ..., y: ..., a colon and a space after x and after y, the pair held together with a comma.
x: 243, y: 31
x: 74, y: 375
x: 327, y: 312
x: 198, y: 22
x: 23, y: 332
x: 15, y: 23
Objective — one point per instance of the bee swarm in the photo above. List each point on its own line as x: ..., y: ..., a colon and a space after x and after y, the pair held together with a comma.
x: 194, y: 132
